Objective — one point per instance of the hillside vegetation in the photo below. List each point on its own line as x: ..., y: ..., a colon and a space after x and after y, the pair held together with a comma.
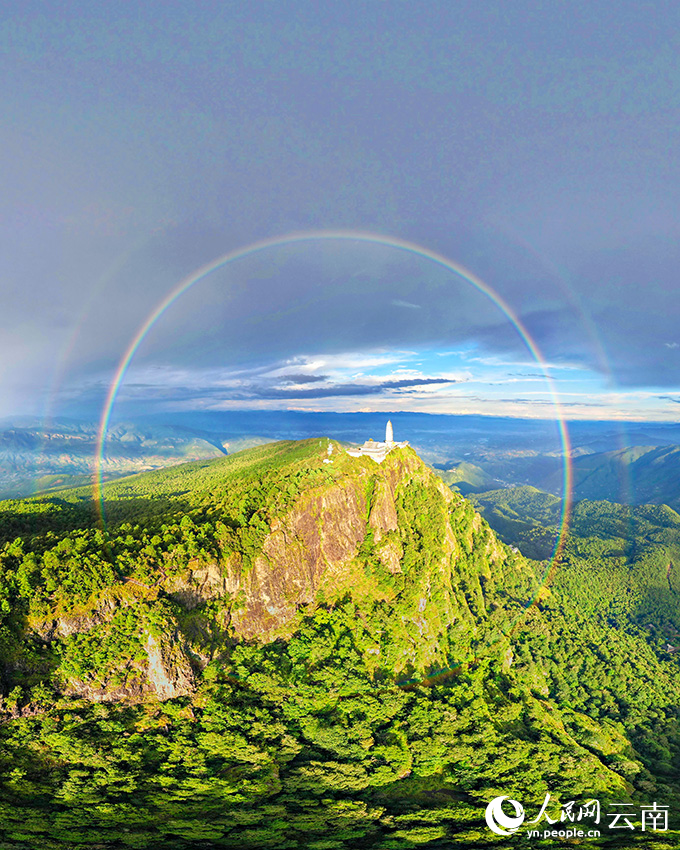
x: 634, y: 475
x: 290, y: 648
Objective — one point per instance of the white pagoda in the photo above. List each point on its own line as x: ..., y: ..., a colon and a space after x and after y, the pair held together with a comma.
x: 378, y: 451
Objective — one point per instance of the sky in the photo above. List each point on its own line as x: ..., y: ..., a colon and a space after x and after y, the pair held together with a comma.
x: 531, y: 144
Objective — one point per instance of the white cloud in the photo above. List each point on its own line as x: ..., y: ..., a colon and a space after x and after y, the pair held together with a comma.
x: 398, y: 303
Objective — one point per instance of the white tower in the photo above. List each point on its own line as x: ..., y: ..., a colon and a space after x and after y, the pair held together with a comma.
x: 389, y: 434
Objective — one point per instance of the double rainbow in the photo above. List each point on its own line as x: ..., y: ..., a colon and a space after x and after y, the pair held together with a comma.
x: 349, y: 236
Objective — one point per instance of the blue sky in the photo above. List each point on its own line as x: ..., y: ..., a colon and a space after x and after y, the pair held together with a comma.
x: 532, y: 143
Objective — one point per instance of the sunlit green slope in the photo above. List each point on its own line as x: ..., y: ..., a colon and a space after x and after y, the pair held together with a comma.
x: 289, y: 647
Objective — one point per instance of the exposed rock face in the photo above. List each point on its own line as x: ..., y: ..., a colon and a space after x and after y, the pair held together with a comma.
x: 205, y: 582
x: 134, y: 691
x: 390, y: 554
x: 383, y: 518
x: 62, y: 627
x: 383, y: 515
x: 169, y: 672
x: 323, y: 531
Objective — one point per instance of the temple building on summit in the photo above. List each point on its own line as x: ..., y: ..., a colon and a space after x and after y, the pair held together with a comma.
x: 378, y: 451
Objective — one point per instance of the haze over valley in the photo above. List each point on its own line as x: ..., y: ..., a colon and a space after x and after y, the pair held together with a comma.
x: 633, y: 463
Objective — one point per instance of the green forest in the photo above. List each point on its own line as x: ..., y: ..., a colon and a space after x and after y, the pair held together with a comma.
x: 292, y: 648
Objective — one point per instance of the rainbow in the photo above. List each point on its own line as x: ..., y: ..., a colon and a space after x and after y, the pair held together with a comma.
x: 349, y: 236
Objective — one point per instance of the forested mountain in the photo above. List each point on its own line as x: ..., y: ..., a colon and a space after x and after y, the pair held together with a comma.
x: 637, y: 475
x: 292, y: 648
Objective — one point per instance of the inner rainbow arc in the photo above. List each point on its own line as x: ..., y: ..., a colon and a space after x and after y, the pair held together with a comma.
x: 347, y: 235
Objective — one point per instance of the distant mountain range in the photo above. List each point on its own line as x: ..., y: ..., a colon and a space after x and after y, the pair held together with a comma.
x: 36, y: 457
x: 625, y: 463
x: 637, y: 475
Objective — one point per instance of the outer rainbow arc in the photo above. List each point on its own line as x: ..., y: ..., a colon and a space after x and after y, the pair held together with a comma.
x: 349, y: 235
